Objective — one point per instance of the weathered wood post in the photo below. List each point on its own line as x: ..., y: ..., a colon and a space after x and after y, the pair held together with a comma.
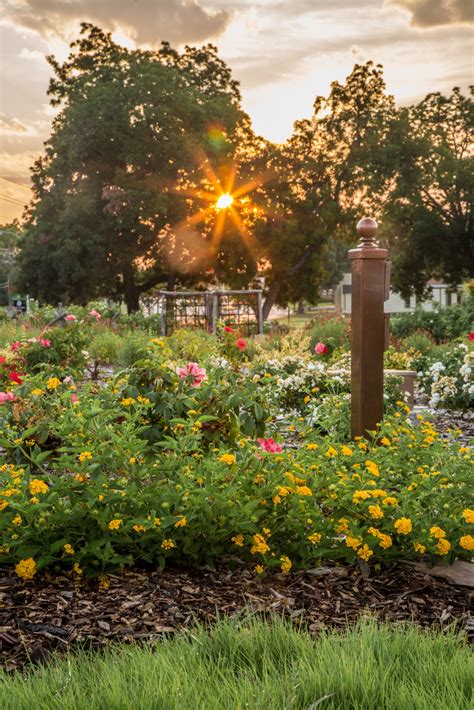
x: 368, y: 329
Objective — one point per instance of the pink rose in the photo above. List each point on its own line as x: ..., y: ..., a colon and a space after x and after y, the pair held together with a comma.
x: 241, y: 344
x: 70, y: 317
x: 6, y: 397
x: 228, y: 329
x: 74, y: 398
x: 95, y: 314
x: 14, y: 347
x: 192, y: 370
x: 321, y: 349
x: 45, y: 343
x: 269, y: 445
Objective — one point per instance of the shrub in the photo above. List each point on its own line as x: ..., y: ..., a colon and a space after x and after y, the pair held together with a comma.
x: 441, y: 324
x: 106, y: 498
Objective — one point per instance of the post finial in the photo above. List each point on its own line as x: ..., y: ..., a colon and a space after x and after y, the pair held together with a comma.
x: 367, y: 229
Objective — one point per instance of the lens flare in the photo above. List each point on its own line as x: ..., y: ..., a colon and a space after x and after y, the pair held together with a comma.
x: 224, y: 201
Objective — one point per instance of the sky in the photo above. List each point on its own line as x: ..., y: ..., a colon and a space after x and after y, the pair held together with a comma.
x: 283, y: 53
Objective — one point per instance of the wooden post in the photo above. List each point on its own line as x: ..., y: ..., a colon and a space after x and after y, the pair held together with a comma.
x: 259, y: 313
x: 368, y: 327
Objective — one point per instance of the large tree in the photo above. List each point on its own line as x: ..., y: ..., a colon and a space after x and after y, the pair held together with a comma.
x: 429, y: 217
x: 133, y: 128
x: 335, y: 168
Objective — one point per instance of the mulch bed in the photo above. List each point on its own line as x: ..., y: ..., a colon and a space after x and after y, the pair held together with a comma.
x: 53, y: 614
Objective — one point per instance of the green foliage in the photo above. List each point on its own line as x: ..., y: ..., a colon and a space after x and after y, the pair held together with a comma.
x: 429, y: 213
x: 87, y: 486
x: 419, y: 341
x: 256, y: 663
x: 130, y: 128
x: 441, y: 324
x: 333, y: 331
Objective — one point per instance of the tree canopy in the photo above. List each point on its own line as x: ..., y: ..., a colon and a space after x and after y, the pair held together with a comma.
x: 429, y: 215
x: 145, y: 142
x: 131, y: 130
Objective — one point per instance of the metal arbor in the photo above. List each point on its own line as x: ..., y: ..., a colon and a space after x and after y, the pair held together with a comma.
x: 204, y: 309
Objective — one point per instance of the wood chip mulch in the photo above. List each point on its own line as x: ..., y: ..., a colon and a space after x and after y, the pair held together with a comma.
x: 53, y: 614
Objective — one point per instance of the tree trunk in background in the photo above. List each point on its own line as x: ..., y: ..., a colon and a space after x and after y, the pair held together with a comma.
x: 130, y: 290
x: 171, y: 281
x: 300, y: 308
x: 270, y: 299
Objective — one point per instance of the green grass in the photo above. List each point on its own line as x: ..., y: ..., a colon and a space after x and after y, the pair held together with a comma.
x: 256, y: 665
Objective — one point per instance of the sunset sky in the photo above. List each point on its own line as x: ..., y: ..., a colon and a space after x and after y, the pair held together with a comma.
x: 284, y: 53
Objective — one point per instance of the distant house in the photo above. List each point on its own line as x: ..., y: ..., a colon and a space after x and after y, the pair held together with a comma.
x: 441, y: 294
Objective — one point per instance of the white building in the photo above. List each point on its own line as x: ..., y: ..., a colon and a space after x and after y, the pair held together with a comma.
x: 441, y: 294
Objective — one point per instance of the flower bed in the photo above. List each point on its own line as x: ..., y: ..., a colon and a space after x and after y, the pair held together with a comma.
x: 171, y: 460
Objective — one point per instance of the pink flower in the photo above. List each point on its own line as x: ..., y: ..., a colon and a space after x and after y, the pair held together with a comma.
x: 32, y: 340
x: 470, y: 336
x: 192, y: 370
x: 6, y: 397
x: 228, y: 329
x: 241, y: 344
x: 15, y: 377
x: 74, y: 398
x: 95, y: 314
x: 321, y: 349
x: 269, y: 445
x: 14, y: 347
x: 70, y: 317
x: 45, y: 343
x: 2, y: 360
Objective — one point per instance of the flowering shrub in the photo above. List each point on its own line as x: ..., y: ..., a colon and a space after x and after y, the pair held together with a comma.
x: 449, y: 380
x: 93, y: 509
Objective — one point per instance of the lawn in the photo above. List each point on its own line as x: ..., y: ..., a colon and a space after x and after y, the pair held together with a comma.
x: 256, y: 664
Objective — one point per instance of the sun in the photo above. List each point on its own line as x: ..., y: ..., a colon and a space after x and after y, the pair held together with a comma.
x: 224, y: 201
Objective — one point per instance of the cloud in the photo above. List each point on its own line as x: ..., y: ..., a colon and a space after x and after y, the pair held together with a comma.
x: 14, y: 127
x: 147, y: 21
x: 432, y: 13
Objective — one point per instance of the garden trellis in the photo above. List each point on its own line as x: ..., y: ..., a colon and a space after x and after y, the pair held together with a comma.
x: 204, y: 309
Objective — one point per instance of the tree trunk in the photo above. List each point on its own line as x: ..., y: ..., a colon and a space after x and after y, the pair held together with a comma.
x: 300, y: 308
x: 270, y: 299
x: 171, y: 281
x: 130, y: 290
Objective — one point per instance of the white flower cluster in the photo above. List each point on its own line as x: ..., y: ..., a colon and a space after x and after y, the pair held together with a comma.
x: 459, y: 381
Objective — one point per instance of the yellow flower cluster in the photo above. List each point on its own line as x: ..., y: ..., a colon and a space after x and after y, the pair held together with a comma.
x: 468, y: 515
x: 238, y: 540
x: 68, y: 549
x: 53, y: 383
x: 314, y: 538
x: 26, y: 569
x: 403, y: 526
x: 167, y: 544
x: 259, y: 545
x: 181, y: 522
x: 286, y: 564
x: 85, y: 455
x: 115, y: 524
x: 229, y: 459
x: 467, y: 542
x: 38, y: 486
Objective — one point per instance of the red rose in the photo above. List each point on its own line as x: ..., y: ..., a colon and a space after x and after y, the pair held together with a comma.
x: 241, y: 344
x: 15, y: 377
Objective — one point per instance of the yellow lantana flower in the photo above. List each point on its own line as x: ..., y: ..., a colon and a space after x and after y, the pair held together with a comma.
x: 38, y: 486
x: 229, y: 459
x: 53, y: 383
x: 403, y: 526
x: 115, y: 524
x: 468, y: 515
x: 467, y: 542
x: 26, y: 569
x: 286, y: 564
